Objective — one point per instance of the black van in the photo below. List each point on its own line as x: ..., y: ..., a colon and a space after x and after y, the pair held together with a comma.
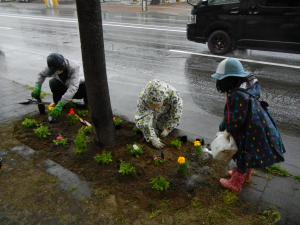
x: 246, y: 24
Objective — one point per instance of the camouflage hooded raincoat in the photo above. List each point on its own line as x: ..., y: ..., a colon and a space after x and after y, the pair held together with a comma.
x: 151, y: 122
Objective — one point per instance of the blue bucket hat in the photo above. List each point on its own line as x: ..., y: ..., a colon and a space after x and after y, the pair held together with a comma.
x: 230, y: 67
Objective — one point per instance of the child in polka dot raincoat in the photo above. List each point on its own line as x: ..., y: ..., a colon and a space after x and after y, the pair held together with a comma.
x: 247, y: 119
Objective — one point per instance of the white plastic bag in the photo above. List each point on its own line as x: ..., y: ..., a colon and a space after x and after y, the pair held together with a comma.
x: 223, y: 147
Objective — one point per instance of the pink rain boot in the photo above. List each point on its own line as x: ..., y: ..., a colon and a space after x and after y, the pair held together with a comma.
x: 248, y: 175
x: 235, y: 183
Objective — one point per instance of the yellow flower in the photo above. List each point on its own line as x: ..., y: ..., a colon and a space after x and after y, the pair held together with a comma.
x: 181, y: 160
x: 197, y: 144
x: 51, y: 107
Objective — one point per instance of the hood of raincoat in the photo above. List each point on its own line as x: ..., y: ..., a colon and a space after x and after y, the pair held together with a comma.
x: 156, y: 91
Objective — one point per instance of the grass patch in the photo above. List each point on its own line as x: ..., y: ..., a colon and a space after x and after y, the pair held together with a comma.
x: 278, y: 171
x: 271, y: 216
x: 230, y: 198
x: 297, y: 178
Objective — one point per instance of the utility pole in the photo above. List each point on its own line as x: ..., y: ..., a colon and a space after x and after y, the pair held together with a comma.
x: 93, y: 58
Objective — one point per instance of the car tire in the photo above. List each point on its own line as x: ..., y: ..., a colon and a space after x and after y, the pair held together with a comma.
x: 219, y: 42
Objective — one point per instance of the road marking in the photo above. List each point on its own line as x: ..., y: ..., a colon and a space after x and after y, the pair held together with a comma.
x: 112, y: 24
x: 241, y: 59
x: 6, y: 28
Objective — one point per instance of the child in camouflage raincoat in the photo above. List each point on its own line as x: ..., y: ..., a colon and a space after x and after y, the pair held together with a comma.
x: 159, y: 111
x: 247, y: 119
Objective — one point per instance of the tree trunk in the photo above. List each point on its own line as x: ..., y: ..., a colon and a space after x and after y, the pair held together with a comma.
x: 93, y: 58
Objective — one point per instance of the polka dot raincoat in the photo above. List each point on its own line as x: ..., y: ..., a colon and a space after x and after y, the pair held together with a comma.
x: 249, y: 122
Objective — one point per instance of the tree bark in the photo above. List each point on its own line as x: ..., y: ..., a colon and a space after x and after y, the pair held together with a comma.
x: 93, y: 58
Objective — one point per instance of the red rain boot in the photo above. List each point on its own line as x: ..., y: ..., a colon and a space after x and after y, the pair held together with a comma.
x: 248, y: 175
x: 235, y: 183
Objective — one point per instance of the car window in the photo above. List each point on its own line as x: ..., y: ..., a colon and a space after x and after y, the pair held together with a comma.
x: 222, y: 2
x: 280, y: 3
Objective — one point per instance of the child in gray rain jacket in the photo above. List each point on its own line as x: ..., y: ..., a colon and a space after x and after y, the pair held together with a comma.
x: 159, y: 111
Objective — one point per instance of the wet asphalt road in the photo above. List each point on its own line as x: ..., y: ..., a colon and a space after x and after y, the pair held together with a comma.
x: 143, y: 47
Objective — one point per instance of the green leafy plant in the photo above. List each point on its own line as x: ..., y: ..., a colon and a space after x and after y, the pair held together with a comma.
x: 73, y: 119
x: 160, y: 184
x: 30, y: 123
x: 42, y: 132
x: 118, y: 122
x: 104, y: 159
x: 198, y: 146
x: 183, y: 166
x: 127, y: 169
x: 278, y: 171
x: 82, y: 113
x: 159, y: 162
x: 176, y: 144
x: 135, y: 150
x: 272, y: 216
x: 82, y: 140
x: 87, y: 130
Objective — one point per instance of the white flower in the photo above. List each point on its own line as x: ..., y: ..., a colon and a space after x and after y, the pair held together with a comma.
x: 135, y: 147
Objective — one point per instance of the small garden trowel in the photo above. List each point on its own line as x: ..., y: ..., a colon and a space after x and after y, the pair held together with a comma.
x: 41, y: 105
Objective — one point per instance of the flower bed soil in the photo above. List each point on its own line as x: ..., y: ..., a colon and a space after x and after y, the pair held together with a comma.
x: 130, y: 190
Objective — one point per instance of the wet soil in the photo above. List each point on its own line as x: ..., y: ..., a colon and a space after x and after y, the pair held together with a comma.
x: 132, y: 198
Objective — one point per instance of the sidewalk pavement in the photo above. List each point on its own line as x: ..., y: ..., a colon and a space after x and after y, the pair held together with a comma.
x: 265, y: 191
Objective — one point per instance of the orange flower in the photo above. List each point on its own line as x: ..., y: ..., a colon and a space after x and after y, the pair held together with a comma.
x: 181, y: 160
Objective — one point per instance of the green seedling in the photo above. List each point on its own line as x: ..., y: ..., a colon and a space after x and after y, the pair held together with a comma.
x: 62, y: 142
x: 127, y: 169
x: 82, y: 113
x: 82, y: 140
x: 72, y: 119
x: 87, y: 130
x: 104, y: 159
x: 30, y: 123
x: 176, y: 144
x: 135, y: 150
x: 160, y: 184
x: 42, y: 132
x: 159, y: 162
x: 118, y: 122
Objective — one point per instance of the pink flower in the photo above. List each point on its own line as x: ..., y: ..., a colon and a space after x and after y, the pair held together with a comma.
x: 59, y: 138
